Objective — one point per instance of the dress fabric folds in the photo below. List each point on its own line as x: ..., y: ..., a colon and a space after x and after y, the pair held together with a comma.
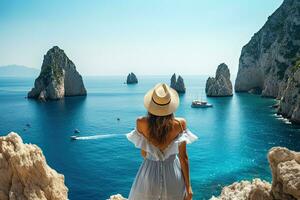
x: 159, y: 176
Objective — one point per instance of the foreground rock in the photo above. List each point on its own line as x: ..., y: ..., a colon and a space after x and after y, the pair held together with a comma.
x: 131, y: 78
x: 285, y: 166
x: 117, y: 197
x: 58, y: 78
x: 220, y: 86
x: 246, y: 190
x: 24, y: 173
x: 178, y: 84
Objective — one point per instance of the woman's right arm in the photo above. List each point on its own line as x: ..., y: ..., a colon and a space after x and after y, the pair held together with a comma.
x: 184, y: 162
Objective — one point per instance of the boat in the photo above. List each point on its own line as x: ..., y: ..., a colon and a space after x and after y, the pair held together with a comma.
x: 200, y: 104
x: 73, y: 137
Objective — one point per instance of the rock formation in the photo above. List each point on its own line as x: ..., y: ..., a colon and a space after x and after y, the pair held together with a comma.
x: 58, y: 77
x: 24, y: 173
x: 178, y: 84
x: 131, y: 78
x: 117, y: 197
x: 220, y: 86
x: 285, y: 166
x: 289, y: 105
x: 267, y: 59
x: 246, y: 190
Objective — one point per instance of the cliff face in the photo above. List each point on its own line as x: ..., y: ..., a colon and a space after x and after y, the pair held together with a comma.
x: 24, y: 173
x: 221, y: 85
x: 289, y: 105
x: 178, y: 84
x: 58, y: 77
x: 285, y: 166
x: 131, y: 78
x: 271, y: 51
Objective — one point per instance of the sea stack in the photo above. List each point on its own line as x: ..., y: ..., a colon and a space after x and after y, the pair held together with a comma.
x: 131, y: 78
x: 58, y: 78
x: 219, y: 86
x: 25, y: 173
x: 267, y: 62
x: 178, y: 84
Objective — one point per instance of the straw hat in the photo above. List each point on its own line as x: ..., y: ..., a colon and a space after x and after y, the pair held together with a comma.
x: 161, y: 100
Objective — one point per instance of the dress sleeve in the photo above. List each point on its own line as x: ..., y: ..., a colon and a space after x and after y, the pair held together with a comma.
x: 141, y: 142
x: 187, y: 136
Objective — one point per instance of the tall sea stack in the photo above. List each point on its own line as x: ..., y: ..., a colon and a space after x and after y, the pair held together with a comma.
x: 58, y: 77
x: 178, y: 84
x: 268, y: 61
x: 219, y: 86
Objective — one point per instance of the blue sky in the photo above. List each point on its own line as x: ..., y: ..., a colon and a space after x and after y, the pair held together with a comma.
x: 106, y: 37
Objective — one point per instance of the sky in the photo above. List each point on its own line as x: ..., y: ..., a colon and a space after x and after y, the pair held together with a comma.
x: 114, y: 37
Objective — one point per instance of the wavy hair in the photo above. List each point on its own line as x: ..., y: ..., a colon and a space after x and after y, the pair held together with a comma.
x: 159, y: 127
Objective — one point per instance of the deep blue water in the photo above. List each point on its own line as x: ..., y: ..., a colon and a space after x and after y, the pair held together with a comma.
x: 235, y: 134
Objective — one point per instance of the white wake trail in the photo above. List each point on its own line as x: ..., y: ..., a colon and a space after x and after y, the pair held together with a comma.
x: 94, y: 137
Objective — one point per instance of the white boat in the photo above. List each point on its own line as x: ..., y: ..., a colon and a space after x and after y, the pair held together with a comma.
x: 200, y: 104
x: 73, y: 137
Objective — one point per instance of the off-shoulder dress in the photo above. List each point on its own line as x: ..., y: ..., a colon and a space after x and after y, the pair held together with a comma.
x: 159, y: 176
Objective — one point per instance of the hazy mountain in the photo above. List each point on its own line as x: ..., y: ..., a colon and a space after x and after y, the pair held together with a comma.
x: 18, y: 70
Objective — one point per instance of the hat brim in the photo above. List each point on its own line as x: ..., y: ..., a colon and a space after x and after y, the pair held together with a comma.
x: 161, y: 110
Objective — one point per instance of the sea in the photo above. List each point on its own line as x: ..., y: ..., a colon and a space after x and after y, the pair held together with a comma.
x: 234, y: 135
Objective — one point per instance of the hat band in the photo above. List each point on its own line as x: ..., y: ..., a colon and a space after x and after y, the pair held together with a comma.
x: 161, y: 104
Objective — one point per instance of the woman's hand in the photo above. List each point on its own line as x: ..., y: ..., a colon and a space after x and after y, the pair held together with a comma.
x: 189, y: 195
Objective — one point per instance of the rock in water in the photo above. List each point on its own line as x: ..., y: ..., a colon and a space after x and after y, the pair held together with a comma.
x: 25, y: 174
x: 285, y: 167
x: 58, y: 77
x: 178, y: 84
x: 271, y: 51
x: 131, y: 79
x: 220, y: 86
x: 173, y: 81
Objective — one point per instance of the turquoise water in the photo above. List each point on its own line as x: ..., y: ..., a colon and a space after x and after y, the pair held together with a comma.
x: 234, y: 135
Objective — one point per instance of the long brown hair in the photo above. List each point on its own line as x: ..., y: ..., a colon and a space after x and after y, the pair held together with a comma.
x: 159, y: 127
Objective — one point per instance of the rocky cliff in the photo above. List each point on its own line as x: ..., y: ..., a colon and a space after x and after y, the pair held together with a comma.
x: 178, y: 84
x: 131, y: 78
x: 289, y: 105
x: 219, y: 86
x: 266, y: 61
x: 58, y: 77
x: 285, y: 167
x: 24, y: 173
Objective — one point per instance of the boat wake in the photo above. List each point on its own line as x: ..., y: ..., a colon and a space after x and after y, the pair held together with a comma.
x: 94, y: 137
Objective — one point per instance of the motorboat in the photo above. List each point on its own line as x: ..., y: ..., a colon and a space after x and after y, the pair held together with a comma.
x: 73, y: 137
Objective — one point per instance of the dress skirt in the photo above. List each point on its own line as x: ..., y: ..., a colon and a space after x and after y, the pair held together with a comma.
x: 159, y: 180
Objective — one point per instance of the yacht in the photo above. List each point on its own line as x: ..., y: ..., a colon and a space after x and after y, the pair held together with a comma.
x: 200, y: 104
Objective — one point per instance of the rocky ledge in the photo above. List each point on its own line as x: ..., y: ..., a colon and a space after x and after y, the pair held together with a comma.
x: 131, y: 78
x: 178, y: 84
x: 58, y: 78
x: 267, y: 61
x: 24, y: 173
x: 285, y: 167
x: 220, y: 86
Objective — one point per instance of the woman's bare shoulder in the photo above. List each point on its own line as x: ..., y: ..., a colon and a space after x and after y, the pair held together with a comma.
x: 141, y: 124
x: 182, y: 121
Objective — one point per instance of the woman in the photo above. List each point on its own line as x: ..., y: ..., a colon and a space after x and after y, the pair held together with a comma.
x: 164, y: 173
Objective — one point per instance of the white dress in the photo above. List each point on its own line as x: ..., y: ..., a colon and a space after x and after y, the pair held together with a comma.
x: 159, y: 176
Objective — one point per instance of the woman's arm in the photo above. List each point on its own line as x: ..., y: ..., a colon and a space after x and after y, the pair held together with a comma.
x: 138, y: 127
x: 184, y: 162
